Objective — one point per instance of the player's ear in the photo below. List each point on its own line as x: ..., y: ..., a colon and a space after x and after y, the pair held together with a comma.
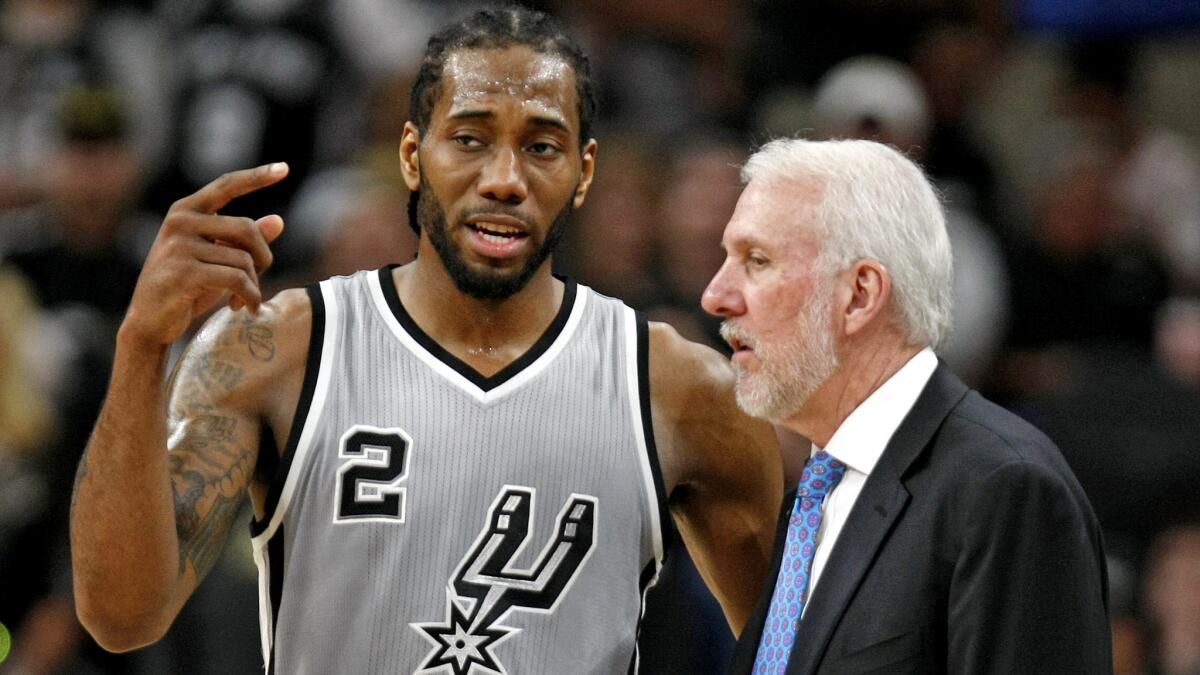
x: 588, y: 169
x: 410, y: 156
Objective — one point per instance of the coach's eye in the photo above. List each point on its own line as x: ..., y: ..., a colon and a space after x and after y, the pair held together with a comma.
x: 467, y: 141
x: 757, y: 261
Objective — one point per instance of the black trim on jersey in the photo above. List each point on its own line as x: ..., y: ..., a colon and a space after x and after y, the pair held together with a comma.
x: 275, y: 562
x: 647, y: 577
x: 316, y: 342
x: 643, y: 370
x: 268, y: 454
x: 485, y: 383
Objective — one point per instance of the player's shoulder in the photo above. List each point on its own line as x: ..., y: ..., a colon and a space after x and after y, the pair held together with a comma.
x: 251, y: 350
x: 284, y: 313
x: 678, y: 361
x: 701, y: 433
x: 286, y: 307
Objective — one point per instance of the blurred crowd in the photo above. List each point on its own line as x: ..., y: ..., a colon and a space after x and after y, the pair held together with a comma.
x: 1063, y: 140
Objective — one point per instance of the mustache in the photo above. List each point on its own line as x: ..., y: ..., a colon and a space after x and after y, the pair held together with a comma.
x: 731, y: 333
x: 495, y: 210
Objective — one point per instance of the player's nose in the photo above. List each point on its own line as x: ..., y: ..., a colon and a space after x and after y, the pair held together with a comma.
x: 503, y: 177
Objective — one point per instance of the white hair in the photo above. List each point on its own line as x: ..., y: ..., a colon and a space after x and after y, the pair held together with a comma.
x: 875, y: 204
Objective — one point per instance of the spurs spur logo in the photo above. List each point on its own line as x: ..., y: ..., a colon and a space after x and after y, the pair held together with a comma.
x: 486, y: 587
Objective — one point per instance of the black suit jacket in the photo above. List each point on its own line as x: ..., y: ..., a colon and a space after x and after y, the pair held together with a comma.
x: 971, y: 549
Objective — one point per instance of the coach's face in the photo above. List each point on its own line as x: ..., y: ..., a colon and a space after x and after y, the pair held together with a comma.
x: 500, y: 166
x: 776, y: 301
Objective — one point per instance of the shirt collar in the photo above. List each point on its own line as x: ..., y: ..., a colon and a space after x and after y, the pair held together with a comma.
x: 860, y: 440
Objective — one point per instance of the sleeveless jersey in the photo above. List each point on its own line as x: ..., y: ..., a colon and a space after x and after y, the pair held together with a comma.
x: 427, y: 519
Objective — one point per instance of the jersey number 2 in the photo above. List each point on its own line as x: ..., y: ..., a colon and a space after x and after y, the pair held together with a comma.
x: 369, y: 481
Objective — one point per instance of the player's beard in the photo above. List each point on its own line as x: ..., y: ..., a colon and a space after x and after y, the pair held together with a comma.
x: 791, y: 371
x: 483, y: 284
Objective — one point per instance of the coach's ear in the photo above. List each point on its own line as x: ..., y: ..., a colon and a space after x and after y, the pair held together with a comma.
x: 866, y: 294
x: 410, y: 156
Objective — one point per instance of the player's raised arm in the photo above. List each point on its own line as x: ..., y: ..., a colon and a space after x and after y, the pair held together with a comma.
x: 146, y: 524
x: 722, y: 468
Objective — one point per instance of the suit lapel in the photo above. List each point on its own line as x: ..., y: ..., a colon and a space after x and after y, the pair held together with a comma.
x: 882, y: 500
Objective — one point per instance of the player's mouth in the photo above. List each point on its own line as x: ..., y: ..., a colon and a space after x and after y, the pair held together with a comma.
x: 497, y: 236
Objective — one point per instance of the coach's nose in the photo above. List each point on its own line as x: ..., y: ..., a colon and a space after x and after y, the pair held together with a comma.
x: 723, y: 297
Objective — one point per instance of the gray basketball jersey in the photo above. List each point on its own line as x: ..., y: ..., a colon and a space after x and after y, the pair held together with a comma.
x: 427, y: 519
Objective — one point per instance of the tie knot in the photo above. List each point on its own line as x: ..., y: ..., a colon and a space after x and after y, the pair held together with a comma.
x: 821, y: 473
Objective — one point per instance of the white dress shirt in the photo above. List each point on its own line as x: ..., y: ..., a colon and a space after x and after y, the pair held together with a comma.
x: 859, y: 442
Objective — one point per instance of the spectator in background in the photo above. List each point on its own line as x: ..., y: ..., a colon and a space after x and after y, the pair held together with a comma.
x: 1173, y: 600
x: 698, y: 197
x: 1155, y: 181
x: 381, y: 37
x: 90, y: 254
x: 1128, y: 630
x: 665, y: 67
x: 953, y: 59
x: 611, y: 246
x: 352, y: 221
x: 384, y: 104
x: 258, y: 82
x: 1177, y: 341
x: 1079, y: 360
x: 36, y: 608
x: 74, y: 282
x: 877, y: 98
x: 1080, y: 279
x: 27, y: 543
x: 84, y: 270
x: 50, y: 47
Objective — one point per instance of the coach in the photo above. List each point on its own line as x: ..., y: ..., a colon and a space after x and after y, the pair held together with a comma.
x: 931, y: 531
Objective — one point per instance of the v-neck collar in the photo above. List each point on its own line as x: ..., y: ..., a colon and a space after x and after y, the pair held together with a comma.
x: 483, y: 387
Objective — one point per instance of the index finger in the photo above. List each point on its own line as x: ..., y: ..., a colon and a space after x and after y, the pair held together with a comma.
x: 230, y: 186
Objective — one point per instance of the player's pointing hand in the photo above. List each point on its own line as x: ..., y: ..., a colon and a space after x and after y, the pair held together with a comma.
x: 201, y: 256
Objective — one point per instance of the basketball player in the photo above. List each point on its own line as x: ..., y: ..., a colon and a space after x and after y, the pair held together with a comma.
x: 459, y: 465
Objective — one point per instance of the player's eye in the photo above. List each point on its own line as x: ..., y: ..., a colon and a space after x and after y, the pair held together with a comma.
x: 543, y: 149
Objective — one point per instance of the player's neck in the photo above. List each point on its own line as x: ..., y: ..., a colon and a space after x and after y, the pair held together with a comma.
x: 486, y: 334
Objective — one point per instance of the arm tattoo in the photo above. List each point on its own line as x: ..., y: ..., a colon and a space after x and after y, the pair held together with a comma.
x: 261, y: 341
x: 258, y: 340
x: 211, y: 465
x: 210, y: 470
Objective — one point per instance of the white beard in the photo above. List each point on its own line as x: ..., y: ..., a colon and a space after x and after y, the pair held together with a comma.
x: 791, y: 371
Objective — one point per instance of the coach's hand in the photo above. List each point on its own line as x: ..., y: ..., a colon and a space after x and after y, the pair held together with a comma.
x: 200, y: 256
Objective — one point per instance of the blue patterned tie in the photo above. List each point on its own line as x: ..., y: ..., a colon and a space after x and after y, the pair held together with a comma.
x: 821, y: 474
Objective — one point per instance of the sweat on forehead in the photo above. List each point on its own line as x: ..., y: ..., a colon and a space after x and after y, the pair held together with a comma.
x: 498, y: 28
x: 515, y: 71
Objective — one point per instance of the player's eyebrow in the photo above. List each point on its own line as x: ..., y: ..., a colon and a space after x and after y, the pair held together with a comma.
x: 546, y: 121
x: 471, y: 114
x: 535, y: 120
